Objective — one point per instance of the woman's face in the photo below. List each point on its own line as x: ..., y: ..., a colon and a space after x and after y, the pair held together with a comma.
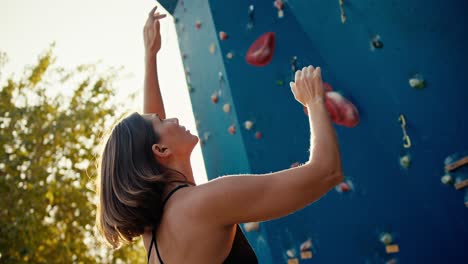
x: 173, y: 136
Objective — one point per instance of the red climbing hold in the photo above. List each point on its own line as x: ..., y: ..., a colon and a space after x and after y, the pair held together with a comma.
x: 223, y: 35
x: 261, y: 51
x: 295, y: 164
x: 278, y: 4
x: 232, y: 129
x: 327, y: 87
x: 258, y: 135
x: 344, y: 187
x: 342, y: 112
x: 214, y: 98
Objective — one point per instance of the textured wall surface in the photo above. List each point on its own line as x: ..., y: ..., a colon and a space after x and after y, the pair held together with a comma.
x: 394, y: 190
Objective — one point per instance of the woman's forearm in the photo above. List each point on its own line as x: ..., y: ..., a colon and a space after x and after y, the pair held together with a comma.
x: 152, y: 99
x: 324, y: 149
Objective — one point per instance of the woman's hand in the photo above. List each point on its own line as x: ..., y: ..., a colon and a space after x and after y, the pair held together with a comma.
x: 308, y: 86
x: 151, y: 34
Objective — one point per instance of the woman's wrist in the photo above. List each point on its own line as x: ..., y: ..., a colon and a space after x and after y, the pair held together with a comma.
x: 150, y: 56
x: 314, y: 101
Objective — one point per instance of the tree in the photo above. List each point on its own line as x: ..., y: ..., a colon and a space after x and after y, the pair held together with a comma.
x: 47, y: 164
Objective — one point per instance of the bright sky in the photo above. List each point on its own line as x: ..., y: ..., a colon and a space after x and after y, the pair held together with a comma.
x: 110, y: 31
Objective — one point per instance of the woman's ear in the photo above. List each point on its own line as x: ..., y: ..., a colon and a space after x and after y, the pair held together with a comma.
x: 161, y: 151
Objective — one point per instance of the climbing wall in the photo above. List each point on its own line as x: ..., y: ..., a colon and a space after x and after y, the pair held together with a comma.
x: 396, y: 79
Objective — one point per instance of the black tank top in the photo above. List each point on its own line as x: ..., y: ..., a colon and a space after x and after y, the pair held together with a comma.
x: 241, y: 251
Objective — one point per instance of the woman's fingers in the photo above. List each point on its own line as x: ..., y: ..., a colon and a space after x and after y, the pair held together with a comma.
x: 156, y: 25
x: 318, y: 72
x: 298, y: 75
x: 152, y: 11
x: 159, y: 16
x: 304, y: 73
x: 293, y: 85
x: 310, y: 70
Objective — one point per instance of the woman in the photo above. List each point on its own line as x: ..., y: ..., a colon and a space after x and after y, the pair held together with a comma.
x: 147, y: 157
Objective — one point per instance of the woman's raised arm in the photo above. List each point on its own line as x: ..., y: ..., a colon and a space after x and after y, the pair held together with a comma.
x: 152, y: 100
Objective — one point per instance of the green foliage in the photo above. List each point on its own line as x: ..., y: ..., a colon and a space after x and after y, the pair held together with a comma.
x: 47, y: 164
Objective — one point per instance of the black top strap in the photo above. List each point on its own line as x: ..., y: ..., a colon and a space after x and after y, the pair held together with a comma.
x: 153, y: 231
x: 172, y: 192
x: 153, y: 240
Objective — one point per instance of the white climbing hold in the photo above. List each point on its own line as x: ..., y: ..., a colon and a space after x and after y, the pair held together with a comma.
x: 212, y: 48
x: 446, y: 179
x: 226, y: 108
x: 386, y: 238
x: 248, y: 124
x: 417, y: 82
x: 306, y: 245
x: 251, y: 226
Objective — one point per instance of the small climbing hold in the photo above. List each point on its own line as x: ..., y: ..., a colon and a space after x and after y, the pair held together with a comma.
x: 248, y: 124
x: 295, y: 164
x: 279, y: 82
x: 198, y: 24
x: 342, y: 13
x: 251, y: 226
x: 306, y: 245
x: 417, y: 81
x: 291, y: 253
x: 212, y: 48
x: 293, y: 66
x: 197, y: 123
x: 214, y: 98
x: 279, y: 6
x: 232, y: 129
x: 392, y: 249
x: 391, y: 261
x: 460, y: 183
x: 251, y: 17
x: 220, y: 76
x: 386, y: 238
x: 261, y: 51
x: 206, y: 135
x: 190, y: 88
x: 258, y: 135
x: 376, y: 43
x: 226, y: 108
x: 184, y: 56
x: 306, y: 254
x: 203, y: 140
x: 343, y: 187
x: 447, y: 179
x: 327, y: 87
x: 223, y: 35
x: 405, y: 161
x: 455, y: 161
x: 229, y: 55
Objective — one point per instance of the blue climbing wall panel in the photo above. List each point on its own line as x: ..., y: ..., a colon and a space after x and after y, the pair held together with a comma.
x: 400, y: 63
